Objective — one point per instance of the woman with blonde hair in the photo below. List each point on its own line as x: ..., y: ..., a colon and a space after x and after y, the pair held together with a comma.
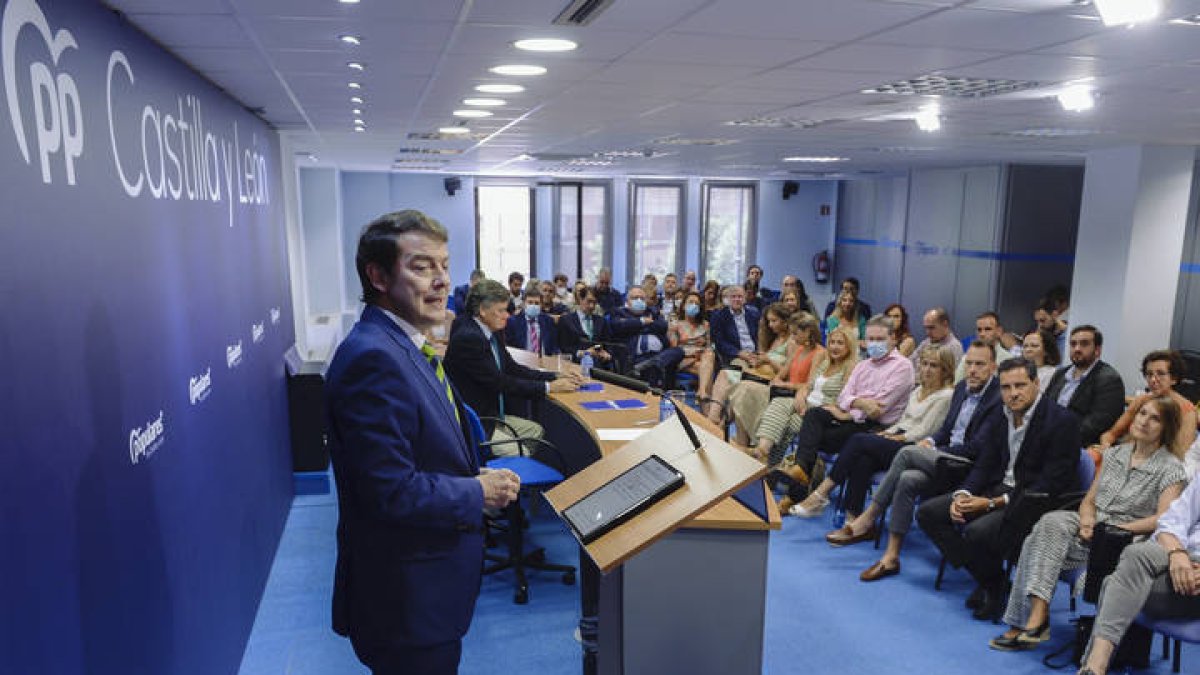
x: 845, y: 313
x: 781, y: 419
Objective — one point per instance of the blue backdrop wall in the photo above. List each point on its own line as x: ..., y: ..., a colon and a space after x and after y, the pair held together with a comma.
x: 145, y: 311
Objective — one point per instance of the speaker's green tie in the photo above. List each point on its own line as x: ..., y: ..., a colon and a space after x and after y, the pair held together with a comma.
x: 427, y: 350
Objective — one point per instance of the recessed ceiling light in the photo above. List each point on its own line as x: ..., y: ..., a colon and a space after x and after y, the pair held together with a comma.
x: 472, y: 113
x: 929, y: 118
x: 356, y: 111
x: 354, y: 85
x: 1193, y: 20
x: 1125, y: 12
x: 354, y: 65
x: 486, y: 102
x: 815, y: 159
x: 359, y: 129
x: 1077, y: 98
x: 359, y: 122
x: 356, y: 99
x: 348, y: 2
x: 350, y: 39
x: 545, y: 45
x: 499, y: 88
x: 518, y: 70
x: 454, y: 130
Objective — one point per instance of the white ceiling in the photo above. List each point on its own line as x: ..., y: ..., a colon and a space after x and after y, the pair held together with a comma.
x: 649, y: 70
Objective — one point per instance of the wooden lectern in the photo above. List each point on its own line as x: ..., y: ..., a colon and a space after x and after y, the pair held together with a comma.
x: 673, y: 600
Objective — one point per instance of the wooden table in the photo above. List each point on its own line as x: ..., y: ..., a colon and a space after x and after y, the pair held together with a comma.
x: 693, y: 602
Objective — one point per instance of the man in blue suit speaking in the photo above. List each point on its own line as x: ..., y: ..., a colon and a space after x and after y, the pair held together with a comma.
x: 410, y: 492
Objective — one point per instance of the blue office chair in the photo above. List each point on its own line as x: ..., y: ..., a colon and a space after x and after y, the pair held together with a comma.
x: 1174, y: 631
x: 535, y: 476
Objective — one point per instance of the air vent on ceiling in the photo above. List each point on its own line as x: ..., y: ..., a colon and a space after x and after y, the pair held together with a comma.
x: 438, y: 136
x: 420, y: 160
x: 775, y: 122
x: 678, y: 140
x: 949, y: 85
x: 429, y: 151
x: 1048, y: 132
x: 581, y: 12
x: 555, y: 156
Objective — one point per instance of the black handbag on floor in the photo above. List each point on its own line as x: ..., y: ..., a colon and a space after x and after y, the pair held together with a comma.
x: 1133, y: 652
x: 1107, y: 544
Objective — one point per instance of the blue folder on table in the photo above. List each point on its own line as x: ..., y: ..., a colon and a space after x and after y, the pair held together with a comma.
x: 618, y: 404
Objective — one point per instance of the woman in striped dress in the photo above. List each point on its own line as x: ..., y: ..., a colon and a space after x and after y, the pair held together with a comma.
x: 1137, y: 482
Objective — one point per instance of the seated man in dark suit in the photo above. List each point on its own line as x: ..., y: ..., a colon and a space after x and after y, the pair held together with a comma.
x: 532, y: 329
x: 1090, y: 388
x: 481, y: 367
x: 1034, y: 450
x: 644, y: 331
x: 608, y: 297
x: 734, y: 327
x: 458, y: 301
x: 914, y: 471
x: 584, y: 331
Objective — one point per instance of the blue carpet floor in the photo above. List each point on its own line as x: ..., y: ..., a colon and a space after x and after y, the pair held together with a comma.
x: 820, y: 618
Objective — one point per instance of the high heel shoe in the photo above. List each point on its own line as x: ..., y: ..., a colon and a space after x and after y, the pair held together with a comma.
x: 1035, y: 636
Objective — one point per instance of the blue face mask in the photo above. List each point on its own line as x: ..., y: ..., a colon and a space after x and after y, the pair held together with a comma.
x: 637, y: 305
x: 877, y: 349
x: 691, y: 309
x: 532, y: 311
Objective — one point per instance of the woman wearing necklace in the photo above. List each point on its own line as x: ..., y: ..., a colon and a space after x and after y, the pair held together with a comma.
x: 1137, y: 482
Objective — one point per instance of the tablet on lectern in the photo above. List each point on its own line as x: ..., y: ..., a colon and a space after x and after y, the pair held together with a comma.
x: 622, y: 498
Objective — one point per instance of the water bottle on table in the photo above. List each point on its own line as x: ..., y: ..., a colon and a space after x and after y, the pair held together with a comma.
x: 585, y: 365
x: 665, y: 409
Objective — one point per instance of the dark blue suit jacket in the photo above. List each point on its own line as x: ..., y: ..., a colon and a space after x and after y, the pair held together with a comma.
x: 572, y: 338
x: 724, y: 331
x: 1048, y: 459
x: 516, y: 333
x: 471, y: 364
x: 410, y: 511
x: 987, y: 404
x: 628, y: 326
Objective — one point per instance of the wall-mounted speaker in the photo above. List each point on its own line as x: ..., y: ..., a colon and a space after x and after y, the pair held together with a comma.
x: 790, y: 187
x: 453, y: 184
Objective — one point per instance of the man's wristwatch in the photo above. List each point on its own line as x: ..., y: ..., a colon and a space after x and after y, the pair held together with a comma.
x: 991, y: 505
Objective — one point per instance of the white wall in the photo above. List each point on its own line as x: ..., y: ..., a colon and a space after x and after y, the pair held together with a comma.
x: 792, y: 231
x: 949, y: 224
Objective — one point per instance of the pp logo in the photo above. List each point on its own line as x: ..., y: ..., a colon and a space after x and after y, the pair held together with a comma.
x: 55, y: 97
